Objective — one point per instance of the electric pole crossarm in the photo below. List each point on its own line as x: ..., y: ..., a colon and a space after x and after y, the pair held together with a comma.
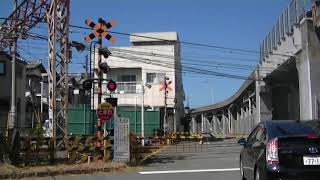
x: 28, y: 14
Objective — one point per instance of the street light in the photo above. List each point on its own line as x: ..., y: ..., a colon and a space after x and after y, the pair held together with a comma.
x: 142, y: 109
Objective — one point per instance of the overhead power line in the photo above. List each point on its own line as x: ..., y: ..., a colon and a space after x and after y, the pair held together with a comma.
x: 188, y: 43
x: 188, y: 68
x: 183, y: 42
x: 195, y: 61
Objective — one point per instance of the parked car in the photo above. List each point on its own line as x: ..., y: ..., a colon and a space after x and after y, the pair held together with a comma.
x: 282, y: 150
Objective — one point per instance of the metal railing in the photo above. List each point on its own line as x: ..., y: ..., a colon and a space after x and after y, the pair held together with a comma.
x: 291, y: 17
x: 128, y: 88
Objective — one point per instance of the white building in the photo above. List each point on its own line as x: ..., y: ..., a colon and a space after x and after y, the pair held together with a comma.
x: 147, y: 62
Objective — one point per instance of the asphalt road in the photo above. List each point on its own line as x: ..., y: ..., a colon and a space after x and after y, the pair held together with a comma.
x: 187, y: 161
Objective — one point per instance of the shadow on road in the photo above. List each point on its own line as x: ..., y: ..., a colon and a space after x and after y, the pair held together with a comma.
x: 163, y: 159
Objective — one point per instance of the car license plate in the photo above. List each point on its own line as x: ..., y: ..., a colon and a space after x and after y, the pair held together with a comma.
x: 307, y: 160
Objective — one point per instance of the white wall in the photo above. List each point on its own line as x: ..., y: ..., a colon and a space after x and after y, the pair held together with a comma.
x: 147, y: 59
x: 151, y: 57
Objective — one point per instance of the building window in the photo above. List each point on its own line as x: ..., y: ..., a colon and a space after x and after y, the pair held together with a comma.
x: 2, y: 68
x: 127, y: 78
x: 127, y: 84
x: 155, y: 77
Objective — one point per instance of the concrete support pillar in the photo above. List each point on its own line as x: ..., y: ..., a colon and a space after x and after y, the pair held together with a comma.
x: 216, y: 124
x: 247, y: 121
x: 238, y: 123
x: 250, y: 116
x: 224, y: 124
x: 194, y: 125
x: 265, y: 103
x: 257, y: 118
x: 308, y: 66
x: 221, y: 125
x: 208, y: 125
x: 233, y: 123
x: 213, y: 123
x: 202, y: 123
x: 230, y: 122
x: 242, y: 121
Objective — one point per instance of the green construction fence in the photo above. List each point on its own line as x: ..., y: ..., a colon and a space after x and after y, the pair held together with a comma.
x: 82, y: 120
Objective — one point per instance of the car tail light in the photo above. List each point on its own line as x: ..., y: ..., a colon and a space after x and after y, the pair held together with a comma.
x: 272, y: 152
x: 313, y: 137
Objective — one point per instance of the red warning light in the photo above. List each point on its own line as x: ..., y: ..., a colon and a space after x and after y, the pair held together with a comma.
x: 111, y: 86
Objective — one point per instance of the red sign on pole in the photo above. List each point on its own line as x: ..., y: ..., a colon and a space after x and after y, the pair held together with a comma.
x: 105, y: 111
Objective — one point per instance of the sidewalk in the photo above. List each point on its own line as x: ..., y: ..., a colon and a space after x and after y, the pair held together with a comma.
x: 12, y: 172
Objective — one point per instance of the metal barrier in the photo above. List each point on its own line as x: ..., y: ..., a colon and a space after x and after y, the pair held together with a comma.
x: 83, y: 148
x: 284, y: 26
x: 35, y: 150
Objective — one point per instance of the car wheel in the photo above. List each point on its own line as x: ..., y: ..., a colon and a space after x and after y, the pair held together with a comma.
x: 257, y: 174
x: 241, y: 170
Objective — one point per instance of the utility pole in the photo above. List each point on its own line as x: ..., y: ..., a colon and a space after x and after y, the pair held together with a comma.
x: 86, y: 67
x: 57, y: 17
x: 142, y: 113
x: 165, y: 87
x: 165, y: 105
x: 12, y: 119
x: 99, y: 74
x: 100, y: 30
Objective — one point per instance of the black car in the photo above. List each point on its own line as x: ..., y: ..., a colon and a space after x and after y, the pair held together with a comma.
x: 282, y: 149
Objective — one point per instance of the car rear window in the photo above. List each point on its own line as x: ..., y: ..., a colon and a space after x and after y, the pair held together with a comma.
x: 294, y: 128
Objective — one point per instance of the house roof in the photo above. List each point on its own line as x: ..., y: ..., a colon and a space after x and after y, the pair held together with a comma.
x: 36, y: 64
x: 9, y: 57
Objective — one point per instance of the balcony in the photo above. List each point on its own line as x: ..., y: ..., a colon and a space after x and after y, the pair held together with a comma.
x: 126, y: 88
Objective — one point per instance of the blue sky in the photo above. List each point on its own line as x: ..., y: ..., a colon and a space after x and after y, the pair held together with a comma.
x: 229, y: 23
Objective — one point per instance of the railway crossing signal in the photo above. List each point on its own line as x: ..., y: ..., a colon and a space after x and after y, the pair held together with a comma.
x: 100, y: 30
x: 105, y: 52
x: 104, y: 67
x: 111, y: 86
x: 164, y: 85
x: 104, y: 110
